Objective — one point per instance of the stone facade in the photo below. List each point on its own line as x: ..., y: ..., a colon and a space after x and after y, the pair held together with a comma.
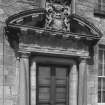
x: 9, y: 64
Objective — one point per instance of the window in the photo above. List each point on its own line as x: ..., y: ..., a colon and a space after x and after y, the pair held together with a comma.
x: 100, y: 8
x: 52, y: 85
x: 101, y: 75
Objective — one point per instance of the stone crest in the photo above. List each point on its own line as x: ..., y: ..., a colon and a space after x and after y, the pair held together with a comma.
x: 57, y: 17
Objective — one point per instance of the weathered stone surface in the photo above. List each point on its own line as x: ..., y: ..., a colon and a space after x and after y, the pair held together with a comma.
x: 9, y: 73
x: 85, y: 8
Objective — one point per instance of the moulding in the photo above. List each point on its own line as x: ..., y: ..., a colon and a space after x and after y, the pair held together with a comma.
x: 48, y: 50
x: 54, y: 60
x: 23, y: 54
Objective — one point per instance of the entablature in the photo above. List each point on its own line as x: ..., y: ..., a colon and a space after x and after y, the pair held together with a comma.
x: 71, y: 52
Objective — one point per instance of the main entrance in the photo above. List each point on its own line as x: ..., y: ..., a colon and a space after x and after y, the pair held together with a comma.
x: 54, y: 81
x: 52, y: 84
x: 47, y: 80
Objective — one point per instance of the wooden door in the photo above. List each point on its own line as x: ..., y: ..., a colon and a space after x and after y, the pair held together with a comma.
x: 52, y: 85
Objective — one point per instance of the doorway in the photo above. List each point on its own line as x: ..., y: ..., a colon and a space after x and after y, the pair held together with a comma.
x: 52, y: 84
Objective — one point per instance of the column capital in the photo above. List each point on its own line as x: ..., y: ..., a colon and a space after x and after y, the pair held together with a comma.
x: 83, y: 59
x: 23, y: 54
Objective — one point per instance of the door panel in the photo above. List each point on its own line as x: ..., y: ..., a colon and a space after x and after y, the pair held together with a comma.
x: 44, y: 75
x: 44, y: 94
x: 61, y: 85
x: 60, y: 76
x: 44, y: 80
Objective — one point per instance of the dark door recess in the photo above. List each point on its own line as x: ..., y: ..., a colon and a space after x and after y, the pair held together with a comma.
x: 52, y: 85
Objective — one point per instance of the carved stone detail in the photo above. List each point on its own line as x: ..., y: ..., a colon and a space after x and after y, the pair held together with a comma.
x: 58, y: 17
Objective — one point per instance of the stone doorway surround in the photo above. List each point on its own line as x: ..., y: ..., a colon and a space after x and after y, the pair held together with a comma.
x: 77, y: 78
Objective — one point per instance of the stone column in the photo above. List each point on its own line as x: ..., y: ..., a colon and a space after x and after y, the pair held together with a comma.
x: 24, y: 80
x: 33, y: 82
x: 73, y: 85
x: 82, y: 97
x: 17, y: 79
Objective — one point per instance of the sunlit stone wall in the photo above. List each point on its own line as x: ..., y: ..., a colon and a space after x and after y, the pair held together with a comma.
x: 85, y: 8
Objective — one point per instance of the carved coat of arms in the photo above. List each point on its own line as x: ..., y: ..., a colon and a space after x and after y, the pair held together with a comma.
x: 58, y: 17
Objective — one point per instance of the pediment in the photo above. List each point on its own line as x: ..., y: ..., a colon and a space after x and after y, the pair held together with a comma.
x: 54, y: 20
x: 83, y: 27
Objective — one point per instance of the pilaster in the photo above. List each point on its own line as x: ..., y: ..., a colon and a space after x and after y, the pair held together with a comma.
x: 73, y: 85
x: 33, y: 82
x: 82, y: 97
x: 24, y: 79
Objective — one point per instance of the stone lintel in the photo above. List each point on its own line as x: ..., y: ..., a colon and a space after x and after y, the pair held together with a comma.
x: 50, y: 50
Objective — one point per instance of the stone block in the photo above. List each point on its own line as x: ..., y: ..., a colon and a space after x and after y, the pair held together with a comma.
x: 1, y: 59
x: 1, y: 70
x: 1, y: 49
x: 8, y: 50
x: 8, y: 102
x: 1, y: 92
x: 9, y: 60
x: 1, y: 101
x: 7, y: 91
x: 1, y: 80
